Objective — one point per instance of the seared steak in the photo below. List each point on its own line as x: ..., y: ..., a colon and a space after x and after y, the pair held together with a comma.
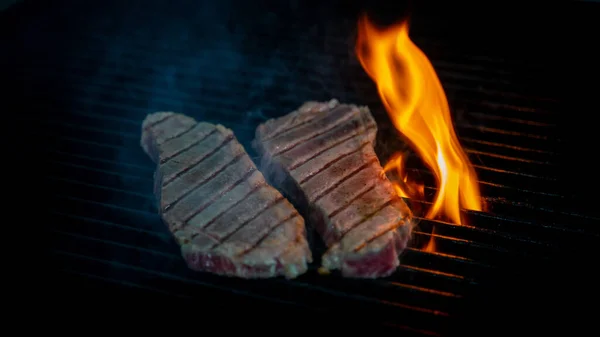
x: 224, y: 215
x: 322, y: 157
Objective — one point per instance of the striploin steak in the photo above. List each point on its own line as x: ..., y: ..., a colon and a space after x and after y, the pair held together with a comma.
x: 216, y: 203
x: 322, y: 157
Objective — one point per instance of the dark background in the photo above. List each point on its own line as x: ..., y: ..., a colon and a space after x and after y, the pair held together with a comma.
x: 51, y: 52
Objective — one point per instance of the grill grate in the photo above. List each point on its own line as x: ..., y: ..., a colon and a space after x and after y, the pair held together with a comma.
x: 90, y: 75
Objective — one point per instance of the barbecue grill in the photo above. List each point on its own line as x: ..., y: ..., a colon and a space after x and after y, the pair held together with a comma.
x: 85, y: 74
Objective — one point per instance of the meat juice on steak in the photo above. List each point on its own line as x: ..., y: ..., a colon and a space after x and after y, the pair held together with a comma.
x: 226, y: 217
x: 322, y: 157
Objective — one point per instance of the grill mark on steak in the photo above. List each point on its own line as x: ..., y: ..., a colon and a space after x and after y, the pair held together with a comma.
x: 388, y: 219
x: 359, y: 208
x: 169, y: 128
x: 281, y: 132
x: 227, y: 200
x: 364, y: 219
x: 380, y: 234
x: 341, y: 209
x: 212, y: 195
x: 329, y: 147
x: 305, y: 116
x: 204, y: 181
x: 201, y: 233
x: 200, y: 161
x: 340, y: 188
x: 160, y: 121
x: 316, y: 127
x: 353, y: 173
x: 203, y: 157
x: 290, y: 128
x: 269, y: 232
x: 186, y: 148
x: 348, y: 190
x: 271, y: 204
x: 338, y: 171
x: 213, y: 220
x: 217, y: 185
x: 335, y: 127
x: 174, y: 145
x: 331, y: 163
x: 219, y: 195
x: 258, y: 227
x: 254, y: 205
x: 184, y: 132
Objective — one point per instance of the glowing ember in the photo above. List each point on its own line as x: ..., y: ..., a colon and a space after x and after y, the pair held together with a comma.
x: 416, y: 103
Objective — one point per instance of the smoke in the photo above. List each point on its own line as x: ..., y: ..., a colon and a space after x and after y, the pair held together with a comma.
x: 230, y: 62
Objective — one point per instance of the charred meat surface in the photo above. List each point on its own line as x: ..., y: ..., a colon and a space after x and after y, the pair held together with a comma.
x: 216, y: 203
x: 322, y: 157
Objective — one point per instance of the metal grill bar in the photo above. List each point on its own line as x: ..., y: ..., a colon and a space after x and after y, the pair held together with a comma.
x: 513, y: 197
x: 107, y: 68
x: 503, y: 126
x: 88, y: 81
x: 516, y: 155
x: 85, y: 180
x: 116, y: 134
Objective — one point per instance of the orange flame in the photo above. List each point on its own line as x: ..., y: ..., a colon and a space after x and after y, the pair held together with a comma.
x: 416, y: 103
x: 430, y: 247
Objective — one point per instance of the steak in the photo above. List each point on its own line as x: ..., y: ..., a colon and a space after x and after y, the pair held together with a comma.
x: 216, y: 203
x: 322, y: 157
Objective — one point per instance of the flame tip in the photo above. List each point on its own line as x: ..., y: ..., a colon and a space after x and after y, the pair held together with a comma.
x: 417, y: 106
